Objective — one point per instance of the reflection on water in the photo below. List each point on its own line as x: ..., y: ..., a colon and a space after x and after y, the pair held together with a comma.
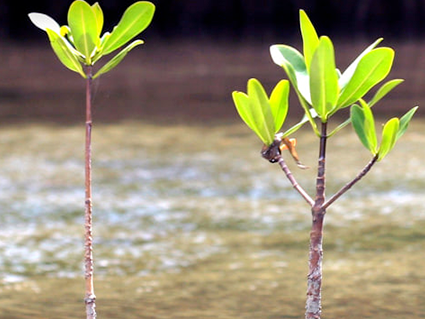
x: 171, y: 198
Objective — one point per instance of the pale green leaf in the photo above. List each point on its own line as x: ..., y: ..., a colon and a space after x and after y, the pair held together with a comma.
x: 370, y: 129
x: 117, y: 59
x: 263, y: 114
x: 135, y: 19
x: 98, y: 13
x: 348, y: 73
x: 371, y: 69
x: 384, y: 90
x: 64, y: 53
x: 404, y: 122
x: 84, y: 28
x: 310, y: 38
x: 389, y: 133
x: 324, y: 88
x: 279, y: 103
x: 44, y: 22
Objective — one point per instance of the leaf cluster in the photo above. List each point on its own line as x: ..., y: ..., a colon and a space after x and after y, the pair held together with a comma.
x: 323, y: 90
x: 81, y: 43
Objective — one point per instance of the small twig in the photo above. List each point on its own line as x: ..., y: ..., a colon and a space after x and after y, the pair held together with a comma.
x: 293, y: 181
x: 273, y: 154
x: 344, y: 189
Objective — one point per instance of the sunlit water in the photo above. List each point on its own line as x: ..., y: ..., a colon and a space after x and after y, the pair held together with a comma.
x: 165, y: 195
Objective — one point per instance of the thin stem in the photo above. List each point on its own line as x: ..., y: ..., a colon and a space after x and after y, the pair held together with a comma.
x: 293, y: 181
x: 90, y: 297
x: 344, y: 189
x: 314, y: 278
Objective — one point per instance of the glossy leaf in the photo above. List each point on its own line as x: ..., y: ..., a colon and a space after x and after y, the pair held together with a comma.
x: 279, y: 103
x: 64, y: 53
x: 364, y: 125
x: 310, y: 38
x: 384, y: 90
x: 371, y: 69
x: 404, y: 122
x: 293, y: 63
x: 323, y: 79
x: 84, y: 28
x: 117, y: 59
x: 135, y: 19
x: 98, y: 13
x: 389, y: 134
x: 44, y: 22
x: 349, y: 72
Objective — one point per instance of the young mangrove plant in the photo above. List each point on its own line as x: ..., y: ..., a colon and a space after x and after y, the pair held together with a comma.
x: 322, y: 91
x: 79, y: 45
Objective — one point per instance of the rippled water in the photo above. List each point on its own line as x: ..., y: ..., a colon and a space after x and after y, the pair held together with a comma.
x: 165, y: 196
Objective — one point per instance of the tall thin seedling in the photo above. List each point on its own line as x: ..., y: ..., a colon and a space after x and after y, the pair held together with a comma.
x: 79, y: 45
x: 322, y: 91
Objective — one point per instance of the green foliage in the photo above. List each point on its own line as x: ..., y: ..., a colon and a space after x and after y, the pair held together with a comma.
x: 263, y: 115
x: 363, y: 123
x: 316, y: 79
x: 80, y: 42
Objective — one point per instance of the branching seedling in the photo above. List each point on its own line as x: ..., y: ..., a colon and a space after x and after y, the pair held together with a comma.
x: 79, y: 45
x: 322, y: 91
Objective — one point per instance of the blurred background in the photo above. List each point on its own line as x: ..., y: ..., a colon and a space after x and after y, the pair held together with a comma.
x: 189, y: 221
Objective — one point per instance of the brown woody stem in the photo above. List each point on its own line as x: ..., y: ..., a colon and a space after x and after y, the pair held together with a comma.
x: 314, y: 278
x: 90, y: 297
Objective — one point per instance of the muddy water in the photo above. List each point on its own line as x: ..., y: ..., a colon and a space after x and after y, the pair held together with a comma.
x: 190, y: 222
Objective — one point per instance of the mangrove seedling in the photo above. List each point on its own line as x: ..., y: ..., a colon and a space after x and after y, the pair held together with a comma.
x: 322, y: 91
x: 79, y: 45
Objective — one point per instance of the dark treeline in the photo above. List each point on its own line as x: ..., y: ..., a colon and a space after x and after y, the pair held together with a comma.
x: 238, y: 19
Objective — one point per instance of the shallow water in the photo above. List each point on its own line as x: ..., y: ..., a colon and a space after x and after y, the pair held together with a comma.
x: 190, y: 222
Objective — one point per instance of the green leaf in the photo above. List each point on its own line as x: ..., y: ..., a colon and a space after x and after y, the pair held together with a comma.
x: 371, y: 69
x: 84, y: 28
x: 44, y: 22
x: 389, y: 133
x: 64, y: 53
x: 384, y: 90
x: 310, y: 38
x: 255, y: 110
x: 348, y: 73
x: 297, y: 126
x: 293, y: 63
x: 404, y: 122
x: 98, y: 13
x: 135, y: 19
x: 117, y: 59
x: 279, y: 103
x: 324, y: 88
x: 364, y: 125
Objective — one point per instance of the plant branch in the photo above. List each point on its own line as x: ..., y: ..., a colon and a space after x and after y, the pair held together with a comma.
x: 90, y: 297
x: 344, y: 189
x: 293, y: 181
x: 273, y: 154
